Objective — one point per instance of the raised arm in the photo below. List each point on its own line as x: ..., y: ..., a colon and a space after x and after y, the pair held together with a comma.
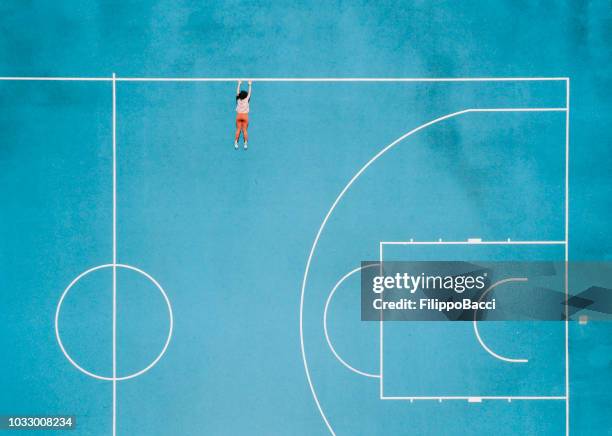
x: 249, y: 96
x: 238, y: 88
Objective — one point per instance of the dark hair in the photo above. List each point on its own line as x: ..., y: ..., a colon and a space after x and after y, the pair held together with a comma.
x: 242, y: 95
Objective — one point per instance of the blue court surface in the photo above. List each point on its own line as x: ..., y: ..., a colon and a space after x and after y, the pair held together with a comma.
x: 156, y: 281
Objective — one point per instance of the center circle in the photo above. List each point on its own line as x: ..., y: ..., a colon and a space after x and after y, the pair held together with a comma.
x: 113, y: 266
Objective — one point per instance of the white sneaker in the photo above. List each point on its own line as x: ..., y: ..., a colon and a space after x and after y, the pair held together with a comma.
x: 246, y: 145
x: 236, y: 145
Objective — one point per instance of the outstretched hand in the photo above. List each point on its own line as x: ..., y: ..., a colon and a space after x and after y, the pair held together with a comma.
x: 250, y: 83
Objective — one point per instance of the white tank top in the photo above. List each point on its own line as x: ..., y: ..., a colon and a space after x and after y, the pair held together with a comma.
x: 242, y: 106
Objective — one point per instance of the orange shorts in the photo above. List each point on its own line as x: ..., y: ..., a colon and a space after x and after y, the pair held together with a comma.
x: 242, y: 119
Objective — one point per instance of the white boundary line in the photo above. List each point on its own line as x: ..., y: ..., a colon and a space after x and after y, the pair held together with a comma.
x: 567, y: 388
x: 480, y: 397
x: 473, y: 242
x: 381, y: 338
x: 340, y: 79
x: 114, y: 256
x: 55, y: 79
x: 283, y: 79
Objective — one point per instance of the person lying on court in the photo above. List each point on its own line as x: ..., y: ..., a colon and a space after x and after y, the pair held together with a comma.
x: 242, y: 115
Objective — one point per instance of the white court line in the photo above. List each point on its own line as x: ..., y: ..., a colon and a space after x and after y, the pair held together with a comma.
x: 340, y: 79
x: 285, y: 79
x: 523, y: 109
x: 333, y: 207
x: 473, y: 242
x: 56, y: 79
x: 486, y: 348
x: 114, y: 256
x: 567, y: 389
x: 329, y: 342
x: 381, y: 341
x: 467, y: 398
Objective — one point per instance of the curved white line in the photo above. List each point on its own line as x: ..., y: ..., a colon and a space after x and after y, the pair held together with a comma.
x: 335, y: 203
x: 331, y: 347
x: 316, y: 241
x: 487, y: 349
